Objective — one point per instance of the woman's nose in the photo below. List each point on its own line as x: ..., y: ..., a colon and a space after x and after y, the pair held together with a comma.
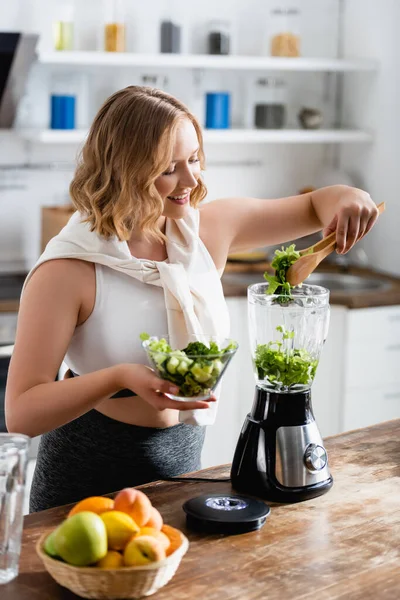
x: 188, y: 178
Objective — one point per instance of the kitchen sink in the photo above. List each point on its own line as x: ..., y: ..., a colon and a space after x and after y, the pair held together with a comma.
x: 343, y: 283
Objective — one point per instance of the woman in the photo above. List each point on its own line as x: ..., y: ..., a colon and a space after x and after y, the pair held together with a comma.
x: 138, y: 255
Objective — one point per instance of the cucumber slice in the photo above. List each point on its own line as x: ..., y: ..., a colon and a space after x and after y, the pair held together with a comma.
x: 199, y: 374
x: 158, y: 359
x: 184, y: 366
x: 217, y: 367
x: 172, y: 364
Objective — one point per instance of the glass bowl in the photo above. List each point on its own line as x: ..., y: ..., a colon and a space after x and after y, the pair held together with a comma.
x: 195, y: 374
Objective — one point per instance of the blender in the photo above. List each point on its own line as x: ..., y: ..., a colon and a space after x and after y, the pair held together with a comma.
x: 280, y: 455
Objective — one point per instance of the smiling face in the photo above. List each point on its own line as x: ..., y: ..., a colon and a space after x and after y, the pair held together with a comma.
x: 176, y: 184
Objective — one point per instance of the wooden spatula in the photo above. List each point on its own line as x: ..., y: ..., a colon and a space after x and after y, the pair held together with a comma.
x: 305, y: 265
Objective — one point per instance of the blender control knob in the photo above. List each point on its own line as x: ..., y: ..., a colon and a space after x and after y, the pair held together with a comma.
x: 315, y: 457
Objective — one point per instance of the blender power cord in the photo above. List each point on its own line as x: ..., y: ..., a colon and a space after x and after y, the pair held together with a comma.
x: 221, y: 480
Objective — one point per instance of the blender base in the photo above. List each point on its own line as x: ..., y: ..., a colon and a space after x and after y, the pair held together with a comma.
x: 280, y: 455
x: 275, y: 493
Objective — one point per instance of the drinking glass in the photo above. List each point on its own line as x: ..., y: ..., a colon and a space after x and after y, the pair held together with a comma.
x: 13, y: 461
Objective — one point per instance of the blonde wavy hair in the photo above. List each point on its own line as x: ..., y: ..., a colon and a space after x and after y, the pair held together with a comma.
x: 129, y: 145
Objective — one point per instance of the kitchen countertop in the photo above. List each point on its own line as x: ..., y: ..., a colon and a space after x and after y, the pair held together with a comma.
x: 387, y: 297
x: 343, y: 545
x: 10, y: 290
x: 8, y: 306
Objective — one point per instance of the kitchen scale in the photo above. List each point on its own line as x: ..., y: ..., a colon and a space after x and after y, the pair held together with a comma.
x: 280, y: 455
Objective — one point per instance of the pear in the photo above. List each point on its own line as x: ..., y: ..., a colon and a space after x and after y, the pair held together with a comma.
x: 81, y: 540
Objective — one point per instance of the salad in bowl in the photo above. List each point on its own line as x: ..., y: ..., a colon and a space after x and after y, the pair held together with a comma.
x: 196, y: 369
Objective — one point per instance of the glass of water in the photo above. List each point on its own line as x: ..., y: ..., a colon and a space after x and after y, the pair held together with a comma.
x: 13, y: 461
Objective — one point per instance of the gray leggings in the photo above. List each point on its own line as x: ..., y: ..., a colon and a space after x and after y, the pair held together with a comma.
x: 95, y: 455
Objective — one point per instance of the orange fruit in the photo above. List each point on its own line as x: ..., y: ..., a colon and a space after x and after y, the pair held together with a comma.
x: 156, y: 520
x: 112, y: 560
x: 120, y: 528
x: 156, y: 533
x: 175, y: 538
x: 96, y: 504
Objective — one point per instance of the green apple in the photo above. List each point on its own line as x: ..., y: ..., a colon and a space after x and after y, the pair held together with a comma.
x: 81, y: 539
x: 49, y: 545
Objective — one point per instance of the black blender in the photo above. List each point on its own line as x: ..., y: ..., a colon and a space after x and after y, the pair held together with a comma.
x: 280, y: 454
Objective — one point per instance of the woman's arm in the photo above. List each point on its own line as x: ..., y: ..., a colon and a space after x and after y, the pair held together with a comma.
x: 246, y: 223
x: 49, y: 312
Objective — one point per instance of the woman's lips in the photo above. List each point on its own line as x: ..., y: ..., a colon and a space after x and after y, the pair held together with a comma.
x: 179, y: 201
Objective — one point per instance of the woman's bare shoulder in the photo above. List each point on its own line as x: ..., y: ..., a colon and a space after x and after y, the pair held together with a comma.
x: 63, y: 282
x: 69, y: 270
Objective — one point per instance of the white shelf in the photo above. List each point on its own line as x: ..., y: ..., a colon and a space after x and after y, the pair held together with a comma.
x: 53, y: 136
x: 228, y: 136
x: 287, y: 136
x: 255, y: 63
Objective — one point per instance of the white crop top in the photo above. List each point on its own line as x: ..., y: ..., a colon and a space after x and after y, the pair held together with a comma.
x: 124, y: 308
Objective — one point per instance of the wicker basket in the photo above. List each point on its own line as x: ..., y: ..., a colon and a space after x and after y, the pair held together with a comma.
x: 113, y: 584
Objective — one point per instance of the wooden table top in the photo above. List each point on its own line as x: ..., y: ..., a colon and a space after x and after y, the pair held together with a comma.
x: 343, y: 545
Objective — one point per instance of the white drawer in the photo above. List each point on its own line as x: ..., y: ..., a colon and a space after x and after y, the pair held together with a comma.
x: 368, y: 407
x: 372, y: 363
x: 382, y: 322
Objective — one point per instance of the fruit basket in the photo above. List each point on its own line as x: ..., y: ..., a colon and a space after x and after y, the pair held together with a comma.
x: 114, y: 584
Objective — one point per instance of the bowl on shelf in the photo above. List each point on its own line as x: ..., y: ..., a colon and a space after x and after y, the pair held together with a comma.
x: 196, y: 369
x: 113, y: 584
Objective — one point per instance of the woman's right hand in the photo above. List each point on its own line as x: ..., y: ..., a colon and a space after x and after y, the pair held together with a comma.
x: 145, y: 383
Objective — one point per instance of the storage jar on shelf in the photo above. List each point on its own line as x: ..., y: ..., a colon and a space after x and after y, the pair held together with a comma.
x: 63, y: 25
x: 63, y: 88
x: 114, y: 26
x: 270, y: 103
x: 218, y: 110
x: 155, y: 81
x: 170, y: 37
x: 284, y: 32
x: 219, y: 37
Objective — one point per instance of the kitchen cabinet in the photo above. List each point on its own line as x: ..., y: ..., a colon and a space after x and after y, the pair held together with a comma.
x: 237, y: 393
x: 357, y: 382
x: 372, y: 374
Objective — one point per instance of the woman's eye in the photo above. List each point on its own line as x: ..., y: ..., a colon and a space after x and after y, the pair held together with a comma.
x: 191, y: 161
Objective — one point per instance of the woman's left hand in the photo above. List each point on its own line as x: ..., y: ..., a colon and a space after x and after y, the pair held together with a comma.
x: 355, y: 214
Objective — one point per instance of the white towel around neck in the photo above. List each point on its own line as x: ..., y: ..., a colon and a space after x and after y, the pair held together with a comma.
x: 192, y: 288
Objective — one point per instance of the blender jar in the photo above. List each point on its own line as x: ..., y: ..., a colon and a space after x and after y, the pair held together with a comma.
x: 286, y: 337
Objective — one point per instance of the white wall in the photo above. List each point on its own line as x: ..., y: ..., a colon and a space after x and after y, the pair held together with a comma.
x: 263, y: 171
x: 371, y: 30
